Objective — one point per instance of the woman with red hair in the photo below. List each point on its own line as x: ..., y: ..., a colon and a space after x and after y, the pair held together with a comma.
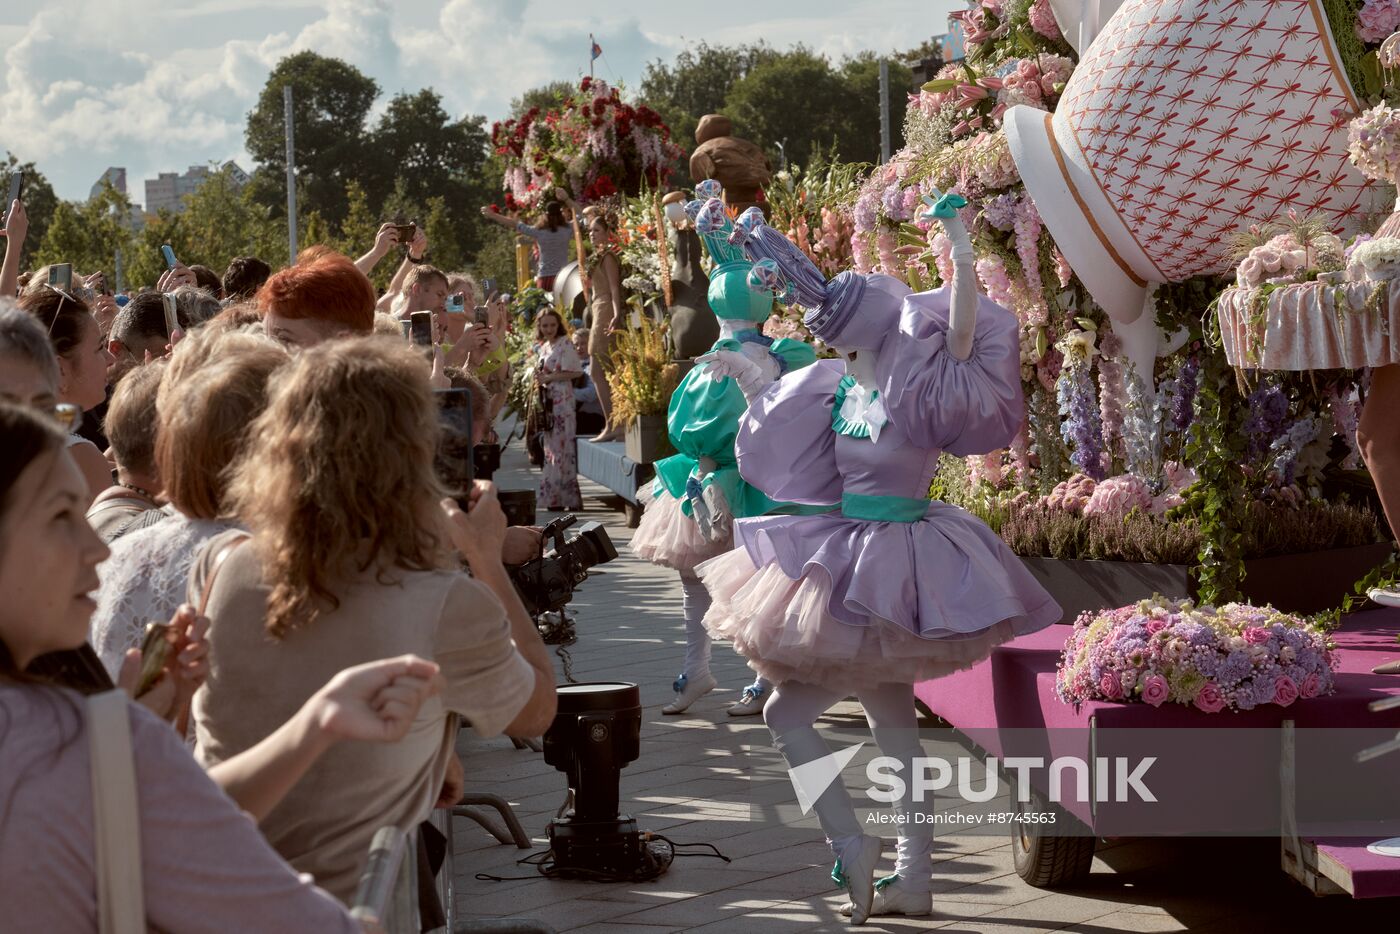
x: 323, y: 296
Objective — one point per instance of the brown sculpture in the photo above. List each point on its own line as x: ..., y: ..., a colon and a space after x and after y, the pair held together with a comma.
x: 694, y: 327
x: 737, y: 164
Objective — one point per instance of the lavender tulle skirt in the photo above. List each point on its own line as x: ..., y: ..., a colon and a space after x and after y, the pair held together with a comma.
x: 668, y: 537
x: 850, y: 604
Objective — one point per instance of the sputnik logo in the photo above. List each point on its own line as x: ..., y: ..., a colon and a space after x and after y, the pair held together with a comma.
x: 811, y: 779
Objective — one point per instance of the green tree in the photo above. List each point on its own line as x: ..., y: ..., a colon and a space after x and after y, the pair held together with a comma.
x: 858, y: 135
x: 431, y: 156
x: 544, y: 97
x: 40, y: 202
x: 795, y: 99
x: 330, y: 102
x: 88, y: 234
x: 143, y: 262
x: 698, y: 83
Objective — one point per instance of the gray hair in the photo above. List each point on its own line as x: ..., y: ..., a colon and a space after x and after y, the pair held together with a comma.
x: 22, y: 336
x: 196, y: 304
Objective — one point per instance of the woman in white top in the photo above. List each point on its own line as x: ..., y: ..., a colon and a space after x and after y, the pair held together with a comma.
x: 214, y: 387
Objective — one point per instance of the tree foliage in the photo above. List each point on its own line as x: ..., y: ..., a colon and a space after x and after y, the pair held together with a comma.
x: 795, y: 97
x: 40, y: 202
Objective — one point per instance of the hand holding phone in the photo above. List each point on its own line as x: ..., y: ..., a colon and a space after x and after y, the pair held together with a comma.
x: 169, y: 254
x: 482, y: 317
x: 155, y: 653
x: 404, y: 233
x: 421, y: 328
x: 16, y: 192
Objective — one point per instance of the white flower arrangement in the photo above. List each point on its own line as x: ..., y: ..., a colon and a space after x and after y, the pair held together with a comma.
x: 1377, y: 254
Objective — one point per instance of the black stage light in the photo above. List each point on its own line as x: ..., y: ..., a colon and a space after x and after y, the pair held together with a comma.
x: 595, y: 734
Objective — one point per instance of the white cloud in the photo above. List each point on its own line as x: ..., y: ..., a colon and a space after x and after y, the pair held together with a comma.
x: 92, y: 83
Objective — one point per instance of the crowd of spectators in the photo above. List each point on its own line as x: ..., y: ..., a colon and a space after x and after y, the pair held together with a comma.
x: 256, y: 476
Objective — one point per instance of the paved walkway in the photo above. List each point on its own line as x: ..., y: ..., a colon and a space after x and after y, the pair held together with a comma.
x: 690, y: 784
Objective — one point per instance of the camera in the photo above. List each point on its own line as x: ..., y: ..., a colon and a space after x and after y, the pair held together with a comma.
x: 486, y: 458
x: 547, y: 583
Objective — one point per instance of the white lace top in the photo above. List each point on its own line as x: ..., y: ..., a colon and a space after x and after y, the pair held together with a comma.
x: 144, y: 580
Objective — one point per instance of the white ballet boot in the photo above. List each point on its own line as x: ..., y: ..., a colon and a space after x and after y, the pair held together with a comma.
x: 751, y: 702
x: 856, y: 854
x: 688, y: 691
x: 907, y: 891
x: 855, y: 869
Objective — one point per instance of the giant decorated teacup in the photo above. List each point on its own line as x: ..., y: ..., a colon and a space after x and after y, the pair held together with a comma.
x: 1186, y: 122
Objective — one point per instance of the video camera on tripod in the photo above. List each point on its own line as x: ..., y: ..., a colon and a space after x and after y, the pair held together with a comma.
x: 547, y: 583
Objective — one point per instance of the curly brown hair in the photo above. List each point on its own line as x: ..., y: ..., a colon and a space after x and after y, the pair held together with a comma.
x: 339, y: 477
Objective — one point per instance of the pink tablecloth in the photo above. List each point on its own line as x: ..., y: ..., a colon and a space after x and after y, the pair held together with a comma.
x: 1311, y: 326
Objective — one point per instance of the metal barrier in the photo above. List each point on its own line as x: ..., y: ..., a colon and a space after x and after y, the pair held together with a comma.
x: 388, y: 893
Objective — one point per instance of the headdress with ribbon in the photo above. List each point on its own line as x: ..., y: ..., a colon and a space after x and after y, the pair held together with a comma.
x: 791, y: 276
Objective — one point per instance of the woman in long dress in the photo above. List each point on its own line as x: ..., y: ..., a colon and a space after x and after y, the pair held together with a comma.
x: 556, y: 366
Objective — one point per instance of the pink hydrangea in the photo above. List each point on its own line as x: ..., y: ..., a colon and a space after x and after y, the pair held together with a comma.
x: 1118, y: 496
x: 1377, y: 19
x: 1043, y: 19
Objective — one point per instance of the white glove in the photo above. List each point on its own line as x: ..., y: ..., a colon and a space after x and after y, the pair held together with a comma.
x: 744, y: 371
x: 962, y: 291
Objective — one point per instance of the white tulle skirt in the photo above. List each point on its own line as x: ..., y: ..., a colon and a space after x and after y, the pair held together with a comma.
x: 668, y: 537
x: 783, y: 628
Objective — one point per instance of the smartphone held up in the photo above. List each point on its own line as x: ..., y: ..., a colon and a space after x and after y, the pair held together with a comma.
x: 155, y: 653
x: 420, y: 328
x: 16, y: 192
x: 454, y: 459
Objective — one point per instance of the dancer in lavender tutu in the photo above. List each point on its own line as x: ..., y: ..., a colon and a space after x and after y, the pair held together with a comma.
x: 893, y: 588
x: 690, y: 509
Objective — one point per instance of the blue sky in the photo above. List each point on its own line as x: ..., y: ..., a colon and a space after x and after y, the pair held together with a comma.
x: 159, y: 86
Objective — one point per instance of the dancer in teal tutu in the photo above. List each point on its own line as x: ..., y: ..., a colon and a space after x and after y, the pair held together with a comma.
x: 698, y: 493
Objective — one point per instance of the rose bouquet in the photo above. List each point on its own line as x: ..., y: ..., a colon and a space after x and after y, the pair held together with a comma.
x: 593, y: 143
x: 1157, y: 651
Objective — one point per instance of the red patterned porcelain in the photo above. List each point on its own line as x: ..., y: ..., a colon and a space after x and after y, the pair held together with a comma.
x: 1186, y: 122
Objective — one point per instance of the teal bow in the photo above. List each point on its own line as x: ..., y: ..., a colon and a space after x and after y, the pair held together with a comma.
x: 945, y: 207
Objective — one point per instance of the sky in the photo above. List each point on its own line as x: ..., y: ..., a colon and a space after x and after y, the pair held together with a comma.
x: 160, y: 86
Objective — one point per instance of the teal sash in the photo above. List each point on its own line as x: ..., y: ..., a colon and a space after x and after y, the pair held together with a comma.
x: 883, y: 508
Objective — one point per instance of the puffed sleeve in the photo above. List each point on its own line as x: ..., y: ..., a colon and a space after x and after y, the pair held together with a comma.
x: 704, y: 412
x: 785, y: 446
x: 964, y: 407
x: 794, y: 355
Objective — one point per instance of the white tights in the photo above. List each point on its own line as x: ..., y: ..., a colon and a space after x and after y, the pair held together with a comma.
x: 791, y: 713
x: 695, y: 603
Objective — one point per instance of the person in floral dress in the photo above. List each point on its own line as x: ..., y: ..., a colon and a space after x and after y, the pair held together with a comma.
x: 556, y: 367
